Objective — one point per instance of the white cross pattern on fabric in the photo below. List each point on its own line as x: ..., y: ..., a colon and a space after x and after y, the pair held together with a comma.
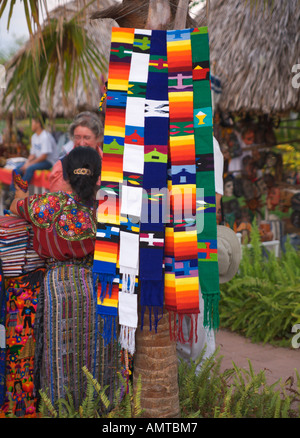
x: 156, y: 108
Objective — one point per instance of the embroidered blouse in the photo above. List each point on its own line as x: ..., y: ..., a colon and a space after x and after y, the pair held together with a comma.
x: 63, y: 227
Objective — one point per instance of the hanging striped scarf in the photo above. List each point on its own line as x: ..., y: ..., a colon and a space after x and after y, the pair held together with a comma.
x: 155, y: 181
x: 132, y: 192
x: 206, y: 197
x: 184, y: 298
x: 157, y: 136
x: 107, y: 245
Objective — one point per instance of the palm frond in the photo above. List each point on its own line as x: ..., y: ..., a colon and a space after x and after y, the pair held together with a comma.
x: 68, y: 51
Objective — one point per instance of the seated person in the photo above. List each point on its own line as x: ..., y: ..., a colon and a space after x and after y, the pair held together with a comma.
x: 42, y: 152
x: 85, y: 130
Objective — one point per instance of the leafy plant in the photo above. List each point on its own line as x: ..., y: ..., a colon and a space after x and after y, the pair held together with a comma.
x: 262, y: 300
x: 234, y: 393
x: 95, y: 403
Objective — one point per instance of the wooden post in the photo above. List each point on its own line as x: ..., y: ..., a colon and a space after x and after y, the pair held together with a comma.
x: 156, y: 357
x: 156, y: 362
x: 159, y: 14
x: 181, y: 14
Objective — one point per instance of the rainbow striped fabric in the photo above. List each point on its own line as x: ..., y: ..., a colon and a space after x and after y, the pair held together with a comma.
x: 183, y: 295
x: 156, y: 233
x: 106, y: 255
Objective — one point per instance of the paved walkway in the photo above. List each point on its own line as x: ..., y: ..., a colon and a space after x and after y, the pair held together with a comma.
x: 276, y: 361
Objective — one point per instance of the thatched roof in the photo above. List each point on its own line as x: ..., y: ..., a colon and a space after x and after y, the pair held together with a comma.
x: 81, y: 98
x: 253, y: 51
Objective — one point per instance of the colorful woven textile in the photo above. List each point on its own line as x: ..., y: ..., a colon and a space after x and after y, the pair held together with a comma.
x: 67, y: 335
x: 2, y: 336
x: 158, y: 136
x: 132, y: 192
x: 106, y: 256
x: 18, y: 180
x: 16, y: 247
x: 73, y: 222
x: 22, y: 294
x: 183, y: 298
x: 206, y: 210
x: 152, y: 231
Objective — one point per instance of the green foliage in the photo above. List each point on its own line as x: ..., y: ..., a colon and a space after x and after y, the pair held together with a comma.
x: 262, y: 300
x: 31, y: 11
x: 95, y: 403
x: 234, y: 393
x: 65, y: 48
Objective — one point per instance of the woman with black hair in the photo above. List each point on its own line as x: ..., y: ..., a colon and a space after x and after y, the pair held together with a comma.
x: 66, y: 325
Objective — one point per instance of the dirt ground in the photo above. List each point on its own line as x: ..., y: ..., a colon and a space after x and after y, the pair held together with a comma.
x: 276, y: 361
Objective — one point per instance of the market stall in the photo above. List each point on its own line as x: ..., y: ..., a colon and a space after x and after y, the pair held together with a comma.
x: 261, y: 181
x: 256, y: 104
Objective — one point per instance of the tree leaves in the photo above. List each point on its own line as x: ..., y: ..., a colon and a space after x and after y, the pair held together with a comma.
x: 67, y: 51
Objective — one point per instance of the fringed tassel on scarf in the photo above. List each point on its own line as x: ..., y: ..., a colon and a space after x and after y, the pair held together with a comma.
x: 109, y: 331
x: 106, y: 281
x: 127, y: 338
x: 211, y: 311
x: 155, y: 314
x: 105, y: 295
x: 176, y: 328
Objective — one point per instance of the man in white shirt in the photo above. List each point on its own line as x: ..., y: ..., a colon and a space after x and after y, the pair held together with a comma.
x: 42, y: 152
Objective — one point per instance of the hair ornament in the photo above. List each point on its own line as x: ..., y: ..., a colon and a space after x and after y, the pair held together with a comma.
x: 82, y: 171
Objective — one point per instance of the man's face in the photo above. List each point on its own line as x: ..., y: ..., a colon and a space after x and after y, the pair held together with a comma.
x: 34, y: 125
x: 83, y: 136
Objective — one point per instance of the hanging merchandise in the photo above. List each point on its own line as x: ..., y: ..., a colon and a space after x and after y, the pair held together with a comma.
x: 106, y: 256
x: 2, y: 336
x: 22, y: 294
x: 157, y: 153
x: 152, y: 232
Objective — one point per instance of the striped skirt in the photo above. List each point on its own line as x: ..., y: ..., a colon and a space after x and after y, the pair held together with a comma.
x: 67, y: 335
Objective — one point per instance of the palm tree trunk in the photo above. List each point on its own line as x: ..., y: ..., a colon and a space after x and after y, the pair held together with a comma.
x: 155, y: 358
x: 156, y: 362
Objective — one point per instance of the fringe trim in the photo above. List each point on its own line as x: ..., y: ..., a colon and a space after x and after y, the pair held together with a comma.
x: 211, y: 311
x: 109, y: 332
x: 95, y: 286
x: 176, y: 327
x: 127, y: 338
x: 153, y: 310
x: 105, y: 280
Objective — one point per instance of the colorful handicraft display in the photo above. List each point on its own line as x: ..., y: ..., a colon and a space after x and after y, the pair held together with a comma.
x: 21, y: 302
x: 2, y: 336
x: 18, y: 180
x: 157, y: 153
